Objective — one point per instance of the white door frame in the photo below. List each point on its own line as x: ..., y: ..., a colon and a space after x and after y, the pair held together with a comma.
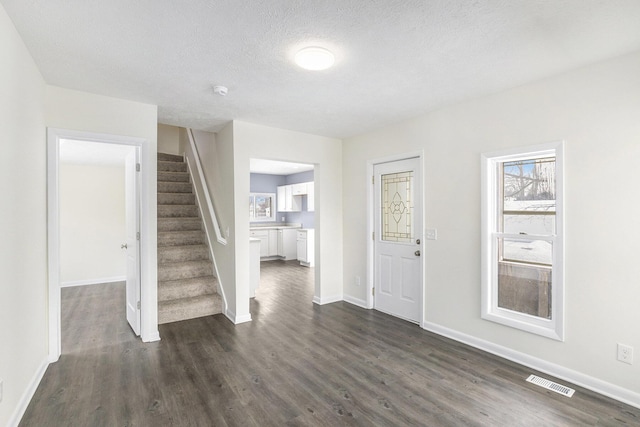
x: 53, y: 222
x: 371, y: 226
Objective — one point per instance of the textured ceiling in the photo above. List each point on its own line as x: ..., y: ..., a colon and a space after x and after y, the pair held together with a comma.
x: 395, y: 58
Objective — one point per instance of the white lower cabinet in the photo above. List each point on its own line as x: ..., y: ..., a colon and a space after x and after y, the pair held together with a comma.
x: 273, y: 243
x: 277, y: 242
x: 305, y: 244
x: 287, y: 243
x: 263, y: 235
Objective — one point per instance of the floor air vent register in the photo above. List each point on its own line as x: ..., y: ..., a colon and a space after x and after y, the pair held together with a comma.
x: 550, y: 385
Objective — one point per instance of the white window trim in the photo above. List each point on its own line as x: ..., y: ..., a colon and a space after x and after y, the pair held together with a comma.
x: 274, y: 208
x: 553, y: 328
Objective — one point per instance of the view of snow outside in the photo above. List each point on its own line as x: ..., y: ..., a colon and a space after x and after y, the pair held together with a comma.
x: 529, y: 210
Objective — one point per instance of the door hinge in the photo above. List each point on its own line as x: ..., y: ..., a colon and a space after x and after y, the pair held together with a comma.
x: 137, y: 167
x: 373, y: 179
x: 137, y: 235
x: 373, y: 291
x: 373, y: 235
x: 138, y: 305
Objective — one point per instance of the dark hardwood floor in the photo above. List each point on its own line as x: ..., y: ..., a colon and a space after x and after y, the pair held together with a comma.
x: 295, y: 364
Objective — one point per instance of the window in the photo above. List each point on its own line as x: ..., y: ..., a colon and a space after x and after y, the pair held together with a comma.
x: 262, y: 207
x: 522, y: 239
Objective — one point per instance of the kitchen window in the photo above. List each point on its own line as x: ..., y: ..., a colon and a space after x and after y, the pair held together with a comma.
x: 262, y: 207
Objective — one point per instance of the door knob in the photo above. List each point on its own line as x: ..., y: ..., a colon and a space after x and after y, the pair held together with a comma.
x: 123, y: 246
x: 417, y: 253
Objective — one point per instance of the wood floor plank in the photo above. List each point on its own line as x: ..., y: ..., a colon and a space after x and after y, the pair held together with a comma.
x: 295, y: 364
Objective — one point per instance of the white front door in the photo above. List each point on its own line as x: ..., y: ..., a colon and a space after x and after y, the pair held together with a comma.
x: 398, y: 285
x: 132, y: 243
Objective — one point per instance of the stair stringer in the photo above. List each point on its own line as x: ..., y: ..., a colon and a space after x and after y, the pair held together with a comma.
x: 198, y: 186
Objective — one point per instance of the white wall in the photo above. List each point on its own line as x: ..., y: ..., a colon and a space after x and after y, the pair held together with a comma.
x: 92, y: 223
x: 168, y: 139
x: 81, y: 111
x: 596, y: 110
x: 23, y: 217
x: 251, y: 140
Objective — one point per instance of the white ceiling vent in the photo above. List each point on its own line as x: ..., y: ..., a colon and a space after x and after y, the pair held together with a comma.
x: 550, y: 385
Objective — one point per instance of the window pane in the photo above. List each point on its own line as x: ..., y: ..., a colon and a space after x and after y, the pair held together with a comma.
x: 527, y: 251
x: 544, y: 225
x: 525, y: 289
x: 262, y: 206
x: 529, y: 185
x: 397, y: 207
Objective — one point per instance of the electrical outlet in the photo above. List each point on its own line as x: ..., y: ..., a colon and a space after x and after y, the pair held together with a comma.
x: 625, y: 353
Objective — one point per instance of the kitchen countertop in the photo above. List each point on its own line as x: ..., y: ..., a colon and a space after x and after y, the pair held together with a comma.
x: 273, y: 226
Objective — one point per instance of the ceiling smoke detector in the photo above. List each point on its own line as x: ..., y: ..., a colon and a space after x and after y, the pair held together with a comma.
x: 314, y: 58
x: 220, y: 90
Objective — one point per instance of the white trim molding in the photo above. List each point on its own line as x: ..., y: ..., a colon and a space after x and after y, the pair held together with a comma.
x: 236, y: 320
x: 27, y: 395
x: 327, y: 300
x: 578, y: 378
x: 86, y: 282
x: 356, y: 301
x: 148, y: 288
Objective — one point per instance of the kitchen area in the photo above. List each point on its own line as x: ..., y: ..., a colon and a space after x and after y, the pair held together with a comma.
x: 281, y: 215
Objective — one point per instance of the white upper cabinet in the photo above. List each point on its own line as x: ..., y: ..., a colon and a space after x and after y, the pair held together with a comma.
x: 311, y: 201
x: 290, y: 197
x: 299, y: 189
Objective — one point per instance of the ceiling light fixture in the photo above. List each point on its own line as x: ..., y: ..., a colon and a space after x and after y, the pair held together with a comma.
x: 220, y: 90
x: 314, y: 58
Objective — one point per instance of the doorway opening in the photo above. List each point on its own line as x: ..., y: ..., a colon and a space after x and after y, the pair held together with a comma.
x: 281, y: 227
x: 94, y: 194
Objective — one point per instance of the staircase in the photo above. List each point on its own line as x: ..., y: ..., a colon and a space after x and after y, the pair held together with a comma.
x: 186, y: 286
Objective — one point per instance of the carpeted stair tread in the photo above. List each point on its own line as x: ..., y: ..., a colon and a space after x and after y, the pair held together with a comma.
x: 181, y: 238
x: 184, y: 270
x: 176, y: 199
x: 179, y: 224
x: 177, y: 211
x: 171, y: 166
x: 182, y: 253
x: 174, y: 187
x: 185, y: 288
x: 173, y: 176
x: 189, y: 308
x: 165, y: 157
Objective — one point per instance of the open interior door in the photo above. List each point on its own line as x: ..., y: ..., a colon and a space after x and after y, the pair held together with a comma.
x: 132, y: 245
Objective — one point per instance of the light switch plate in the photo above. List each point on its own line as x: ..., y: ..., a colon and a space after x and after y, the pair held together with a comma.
x: 432, y: 234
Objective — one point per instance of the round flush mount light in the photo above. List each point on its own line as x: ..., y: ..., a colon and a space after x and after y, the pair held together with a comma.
x: 314, y: 58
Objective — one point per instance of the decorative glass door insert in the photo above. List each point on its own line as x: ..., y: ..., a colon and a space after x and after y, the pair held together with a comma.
x: 397, y: 207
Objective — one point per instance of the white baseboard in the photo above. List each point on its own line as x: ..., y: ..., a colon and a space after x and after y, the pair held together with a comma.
x: 594, y: 384
x: 326, y: 300
x: 356, y: 301
x: 28, y: 395
x: 236, y: 320
x: 93, y: 281
x: 155, y: 336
